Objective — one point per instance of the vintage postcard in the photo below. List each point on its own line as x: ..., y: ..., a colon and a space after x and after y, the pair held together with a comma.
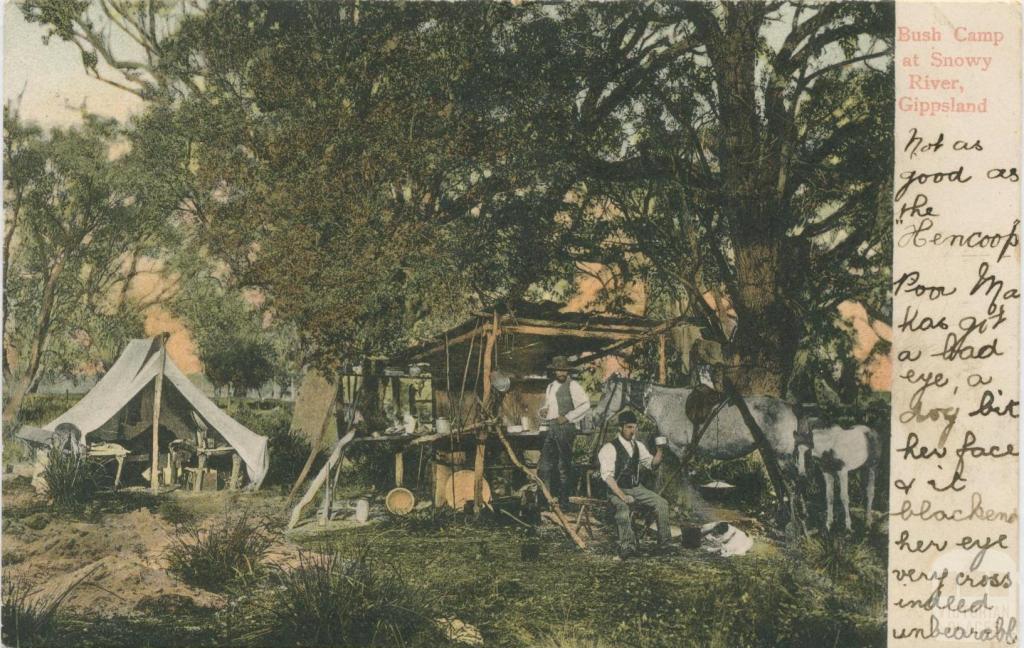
x: 511, y: 324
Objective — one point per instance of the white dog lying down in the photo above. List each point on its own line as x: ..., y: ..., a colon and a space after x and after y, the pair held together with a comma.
x: 725, y: 540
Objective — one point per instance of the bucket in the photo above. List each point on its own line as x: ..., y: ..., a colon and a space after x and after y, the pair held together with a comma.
x: 400, y: 501
x: 691, y: 537
x: 362, y: 511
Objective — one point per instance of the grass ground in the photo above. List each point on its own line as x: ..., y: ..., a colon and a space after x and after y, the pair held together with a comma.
x: 813, y: 595
x: 827, y: 592
x: 771, y: 597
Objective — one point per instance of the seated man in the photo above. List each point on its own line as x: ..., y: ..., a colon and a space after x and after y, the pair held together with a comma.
x: 620, y: 462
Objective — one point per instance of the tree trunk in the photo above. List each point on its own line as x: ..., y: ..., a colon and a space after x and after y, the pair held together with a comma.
x: 29, y: 379
x: 372, y: 413
x: 766, y: 336
x: 768, y: 333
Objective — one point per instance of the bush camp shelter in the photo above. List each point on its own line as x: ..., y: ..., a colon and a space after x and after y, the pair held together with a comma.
x: 144, y: 390
x: 519, y: 342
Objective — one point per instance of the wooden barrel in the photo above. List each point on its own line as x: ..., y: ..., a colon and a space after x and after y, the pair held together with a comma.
x: 459, y: 490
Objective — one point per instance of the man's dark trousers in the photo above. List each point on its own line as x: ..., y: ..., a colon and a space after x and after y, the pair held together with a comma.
x: 556, y: 461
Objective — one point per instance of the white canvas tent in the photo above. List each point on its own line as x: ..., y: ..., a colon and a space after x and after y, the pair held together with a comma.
x: 128, y: 386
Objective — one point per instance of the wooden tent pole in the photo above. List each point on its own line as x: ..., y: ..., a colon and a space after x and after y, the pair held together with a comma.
x: 154, y: 472
x: 481, y: 436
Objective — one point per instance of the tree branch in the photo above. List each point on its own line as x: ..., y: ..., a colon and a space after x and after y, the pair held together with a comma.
x: 828, y: 68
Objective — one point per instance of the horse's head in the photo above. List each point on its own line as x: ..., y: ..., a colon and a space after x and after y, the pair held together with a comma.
x: 617, y: 393
x: 610, y: 402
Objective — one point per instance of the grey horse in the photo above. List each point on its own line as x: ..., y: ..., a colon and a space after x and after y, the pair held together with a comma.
x: 727, y: 436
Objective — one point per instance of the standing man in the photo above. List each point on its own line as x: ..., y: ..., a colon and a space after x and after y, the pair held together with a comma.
x: 620, y: 462
x: 565, y: 403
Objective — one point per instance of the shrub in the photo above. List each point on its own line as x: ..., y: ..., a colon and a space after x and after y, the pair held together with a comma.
x: 27, y: 621
x: 72, y: 481
x: 852, y: 565
x: 288, y: 453
x: 330, y: 600
x: 370, y: 464
x: 173, y: 512
x: 232, y: 547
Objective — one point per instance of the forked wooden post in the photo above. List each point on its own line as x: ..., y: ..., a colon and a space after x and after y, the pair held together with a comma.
x: 555, y: 514
x: 154, y: 473
x: 770, y: 459
x: 334, y: 460
x: 321, y: 477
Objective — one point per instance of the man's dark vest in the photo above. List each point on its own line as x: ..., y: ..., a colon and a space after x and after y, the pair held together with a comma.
x: 563, y: 396
x: 627, y: 469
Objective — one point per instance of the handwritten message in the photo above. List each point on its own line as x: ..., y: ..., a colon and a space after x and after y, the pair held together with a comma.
x: 953, y: 540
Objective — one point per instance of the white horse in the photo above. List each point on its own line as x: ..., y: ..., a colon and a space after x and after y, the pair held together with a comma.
x: 837, y: 451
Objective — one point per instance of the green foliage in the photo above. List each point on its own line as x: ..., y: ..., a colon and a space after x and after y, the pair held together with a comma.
x: 80, y: 214
x: 233, y: 547
x: 329, y: 599
x: 28, y: 620
x: 771, y: 597
x: 380, y: 171
x: 233, y: 346
x: 242, y: 364
x: 288, y: 451
x: 370, y: 464
x: 72, y: 481
x: 845, y: 562
x: 38, y: 409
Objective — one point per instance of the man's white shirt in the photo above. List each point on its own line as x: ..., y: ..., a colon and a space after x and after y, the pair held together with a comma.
x: 606, y: 457
x: 580, y: 401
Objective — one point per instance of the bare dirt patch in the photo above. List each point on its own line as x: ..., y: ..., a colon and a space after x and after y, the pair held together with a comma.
x: 122, y: 555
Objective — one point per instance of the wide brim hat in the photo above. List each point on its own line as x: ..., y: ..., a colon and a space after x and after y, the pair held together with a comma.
x: 560, y: 363
x: 627, y: 417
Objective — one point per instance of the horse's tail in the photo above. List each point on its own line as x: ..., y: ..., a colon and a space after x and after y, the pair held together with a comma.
x: 874, y: 447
